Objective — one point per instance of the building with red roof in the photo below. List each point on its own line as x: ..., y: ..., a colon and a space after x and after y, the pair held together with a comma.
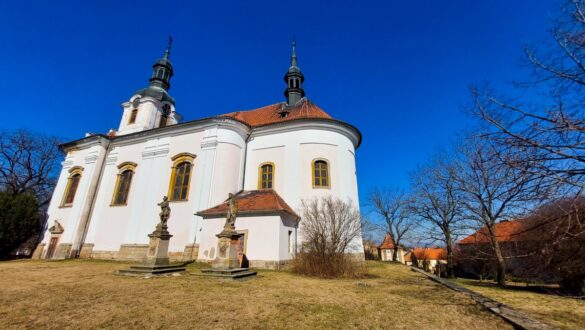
x: 505, y: 231
x: 271, y: 158
x: 475, y: 256
x: 386, y: 250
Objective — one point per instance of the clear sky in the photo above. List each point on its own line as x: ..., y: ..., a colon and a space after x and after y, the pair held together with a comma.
x: 397, y: 70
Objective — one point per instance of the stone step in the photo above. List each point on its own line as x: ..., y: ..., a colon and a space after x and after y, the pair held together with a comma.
x: 224, y: 270
x: 156, y: 267
x: 227, y: 273
x: 152, y: 271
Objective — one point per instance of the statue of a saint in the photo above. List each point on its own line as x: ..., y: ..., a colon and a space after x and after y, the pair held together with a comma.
x: 230, y: 223
x: 165, y: 211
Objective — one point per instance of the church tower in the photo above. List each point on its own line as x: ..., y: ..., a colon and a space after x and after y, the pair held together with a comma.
x: 153, y: 106
x: 294, y: 79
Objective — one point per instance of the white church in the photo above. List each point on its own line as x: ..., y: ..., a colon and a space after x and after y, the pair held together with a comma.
x: 105, y: 202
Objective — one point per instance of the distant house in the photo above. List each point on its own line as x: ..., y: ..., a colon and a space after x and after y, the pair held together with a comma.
x: 371, y: 250
x: 430, y: 259
x: 387, y: 250
x: 408, y: 258
x: 475, y: 256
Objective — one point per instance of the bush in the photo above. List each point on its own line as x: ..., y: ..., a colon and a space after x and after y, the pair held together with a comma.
x: 331, y: 229
x: 19, y: 221
x: 340, y: 265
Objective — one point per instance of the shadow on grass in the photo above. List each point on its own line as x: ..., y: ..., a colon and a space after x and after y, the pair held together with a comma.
x: 515, y: 286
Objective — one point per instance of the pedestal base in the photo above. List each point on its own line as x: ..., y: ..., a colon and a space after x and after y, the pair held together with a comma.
x: 157, y: 257
x: 145, y: 270
x: 232, y: 273
x: 227, y: 256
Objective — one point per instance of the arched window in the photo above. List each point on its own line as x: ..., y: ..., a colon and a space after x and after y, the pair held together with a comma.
x: 123, y: 183
x: 321, y: 174
x: 133, y: 115
x: 181, y: 177
x: 72, y: 184
x: 266, y: 176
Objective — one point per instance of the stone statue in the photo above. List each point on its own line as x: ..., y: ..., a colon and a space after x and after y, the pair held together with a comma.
x: 230, y: 223
x: 165, y: 212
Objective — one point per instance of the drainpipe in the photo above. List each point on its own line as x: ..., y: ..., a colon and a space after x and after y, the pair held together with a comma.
x: 245, y: 159
x: 296, y: 236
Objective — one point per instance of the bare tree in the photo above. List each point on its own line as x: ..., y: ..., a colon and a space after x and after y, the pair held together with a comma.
x: 331, y: 230
x: 557, y: 242
x: 392, y: 206
x: 437, y: 202
x: 551, y: 130
x: 28, y: 164
x: 492, y: 191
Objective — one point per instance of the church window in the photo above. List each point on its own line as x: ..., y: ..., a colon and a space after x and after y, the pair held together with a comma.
x: 123, y: 183
x: 181, y: 177
x: 320, y: 174
x: 163, y: 121
x: 72, y: 184
x: 133, y: 115
x: 266, y: 176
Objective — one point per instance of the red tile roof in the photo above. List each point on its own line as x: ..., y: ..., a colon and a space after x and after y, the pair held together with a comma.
x: 253, y: 202
x: 272, y: 114
x: 506, y: 231
x: 430, y: 253
x: 388, y: 243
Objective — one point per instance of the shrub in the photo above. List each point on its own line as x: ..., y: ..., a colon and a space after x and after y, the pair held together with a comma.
x: 19, y: 220
x: 331, y: 231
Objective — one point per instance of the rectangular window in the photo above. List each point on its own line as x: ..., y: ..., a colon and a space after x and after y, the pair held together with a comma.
x: 289, y: 241
x: 133, y: 115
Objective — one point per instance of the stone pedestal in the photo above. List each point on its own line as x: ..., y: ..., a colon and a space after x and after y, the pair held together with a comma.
x: 227, y: 251
x: 157, y: 257
x: 158, y: 247
x: 226, y: 264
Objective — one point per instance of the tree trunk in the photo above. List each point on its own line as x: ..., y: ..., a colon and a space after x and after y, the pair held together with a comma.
x: 501, y: 271
x: 450, y: 271
x: 395, y: 253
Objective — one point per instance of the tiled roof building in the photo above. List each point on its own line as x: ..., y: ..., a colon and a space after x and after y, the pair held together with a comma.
x: 271, y: 158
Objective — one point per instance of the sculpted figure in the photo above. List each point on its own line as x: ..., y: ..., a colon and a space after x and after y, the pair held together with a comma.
x: 165, y: 212
x: 230, y: 223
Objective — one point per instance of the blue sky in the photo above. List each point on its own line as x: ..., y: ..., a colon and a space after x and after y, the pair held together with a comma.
x: 400, y: 71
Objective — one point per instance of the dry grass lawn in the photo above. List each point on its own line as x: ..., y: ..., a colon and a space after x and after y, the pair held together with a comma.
x: 86, y: 294
x: 560, y: 312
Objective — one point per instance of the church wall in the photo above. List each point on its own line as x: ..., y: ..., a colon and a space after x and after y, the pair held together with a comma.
x: 293, y: 151
x: 71, y: 217
x: 110, y: 224
x: 266, y: 240
x: 286, y: 249
x: 213, y: 175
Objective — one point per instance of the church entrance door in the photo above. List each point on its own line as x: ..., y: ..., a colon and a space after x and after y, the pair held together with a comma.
x: 52, y: 247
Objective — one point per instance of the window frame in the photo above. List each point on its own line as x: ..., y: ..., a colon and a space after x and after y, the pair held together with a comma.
x: 328, y: 168
x: 272, y: 181
x: 179, y: 159
x: 73, y: 172
x: 123, y: 168
x: 133, y: 116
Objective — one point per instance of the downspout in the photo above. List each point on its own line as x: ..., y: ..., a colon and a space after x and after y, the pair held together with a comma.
x: 245, y: 158
x: 76, y: 249
x: 296, y: 236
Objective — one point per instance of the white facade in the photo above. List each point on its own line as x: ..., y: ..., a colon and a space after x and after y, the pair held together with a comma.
x: 226, y: 155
